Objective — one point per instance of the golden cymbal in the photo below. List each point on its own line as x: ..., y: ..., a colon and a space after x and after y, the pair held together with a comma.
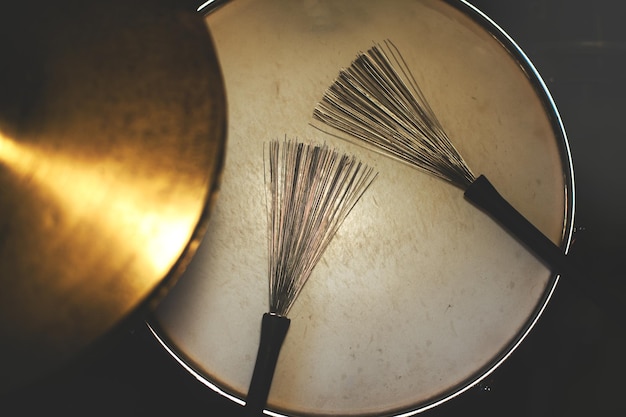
x: 112, y: 129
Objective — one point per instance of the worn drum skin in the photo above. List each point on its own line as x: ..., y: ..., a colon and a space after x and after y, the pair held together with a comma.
x: 420, y: 295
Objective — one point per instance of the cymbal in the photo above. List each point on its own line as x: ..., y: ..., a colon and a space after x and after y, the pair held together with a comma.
x: 112, y: 130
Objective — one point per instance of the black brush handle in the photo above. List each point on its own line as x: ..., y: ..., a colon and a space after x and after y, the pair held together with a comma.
x: 273, y: 331
x: 485, y: 196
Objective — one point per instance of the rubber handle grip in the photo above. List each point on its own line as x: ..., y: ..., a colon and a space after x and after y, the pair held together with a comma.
x: 273, y: 331
x: 485, y: 196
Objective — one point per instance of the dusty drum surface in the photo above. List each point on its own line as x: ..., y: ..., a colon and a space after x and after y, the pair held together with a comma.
x: 420, y: 294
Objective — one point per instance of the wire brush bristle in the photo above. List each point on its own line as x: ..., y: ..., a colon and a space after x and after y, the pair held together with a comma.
x: 310, y: 191
x: 377, y: 100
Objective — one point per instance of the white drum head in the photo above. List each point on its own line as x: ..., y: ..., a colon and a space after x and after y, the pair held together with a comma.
x: 419, y: 295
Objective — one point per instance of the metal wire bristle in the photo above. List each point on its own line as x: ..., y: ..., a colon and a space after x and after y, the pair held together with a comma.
x: 378, y: 101
x: 310, y: 191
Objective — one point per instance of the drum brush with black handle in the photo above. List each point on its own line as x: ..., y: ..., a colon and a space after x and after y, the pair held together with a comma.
x: 310, y: 190
x: 377, y: 101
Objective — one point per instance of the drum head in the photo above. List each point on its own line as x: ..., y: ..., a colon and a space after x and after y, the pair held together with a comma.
x: 420, y: 295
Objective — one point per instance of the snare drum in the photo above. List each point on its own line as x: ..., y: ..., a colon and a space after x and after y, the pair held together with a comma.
x: 420, y: 295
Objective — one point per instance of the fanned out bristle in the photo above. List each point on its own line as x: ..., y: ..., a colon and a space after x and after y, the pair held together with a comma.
x: 310, y: 191
x: 377, y: 100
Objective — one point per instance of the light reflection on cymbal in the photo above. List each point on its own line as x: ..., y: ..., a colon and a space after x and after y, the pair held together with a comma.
x: 80, y: 192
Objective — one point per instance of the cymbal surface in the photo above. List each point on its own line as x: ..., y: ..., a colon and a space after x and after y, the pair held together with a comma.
x: 112, y: 129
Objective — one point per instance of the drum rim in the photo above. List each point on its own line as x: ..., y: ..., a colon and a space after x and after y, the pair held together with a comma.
x: 551, y: 111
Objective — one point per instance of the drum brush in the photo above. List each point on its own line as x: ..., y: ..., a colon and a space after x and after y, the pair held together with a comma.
x: 310, y: 190
x: 377, y: 101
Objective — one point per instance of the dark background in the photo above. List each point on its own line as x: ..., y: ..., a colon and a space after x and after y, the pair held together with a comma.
x: 573, y: 362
